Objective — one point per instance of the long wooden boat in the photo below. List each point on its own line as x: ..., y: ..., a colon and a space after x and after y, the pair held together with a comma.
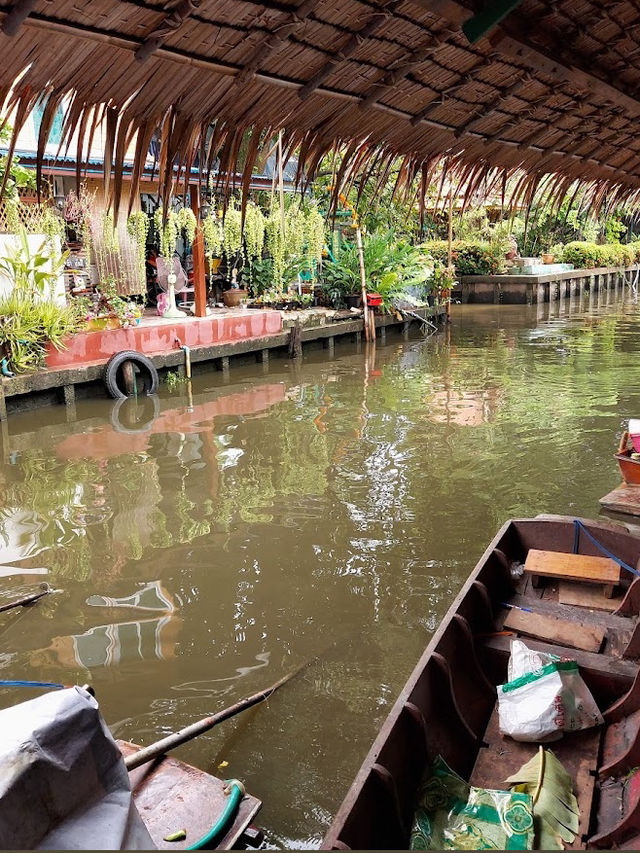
x: 448, y: 706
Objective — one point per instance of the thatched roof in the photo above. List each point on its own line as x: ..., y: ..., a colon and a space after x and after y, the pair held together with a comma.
x: 553, y: 90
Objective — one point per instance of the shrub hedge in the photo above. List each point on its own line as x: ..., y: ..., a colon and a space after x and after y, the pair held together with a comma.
x: 469, y: 258
x: 480, y: 258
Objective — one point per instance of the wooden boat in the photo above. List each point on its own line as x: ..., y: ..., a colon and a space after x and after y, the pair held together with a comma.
x: 171, y: 795
x: 629, y: 467
x: 448, y: 706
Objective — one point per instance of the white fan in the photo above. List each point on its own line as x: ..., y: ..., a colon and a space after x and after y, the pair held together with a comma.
x: 172, y: 279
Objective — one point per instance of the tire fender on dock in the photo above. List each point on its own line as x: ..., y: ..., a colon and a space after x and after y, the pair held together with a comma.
x: 113, y: 373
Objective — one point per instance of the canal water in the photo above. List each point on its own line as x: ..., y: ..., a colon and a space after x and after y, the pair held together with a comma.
x: 326, y: 513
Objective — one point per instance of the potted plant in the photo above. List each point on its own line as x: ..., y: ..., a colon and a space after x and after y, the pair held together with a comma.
x: 235, y: 294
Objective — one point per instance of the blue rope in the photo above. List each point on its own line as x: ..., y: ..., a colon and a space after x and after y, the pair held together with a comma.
x: 30, y: 684
x: 580, y: 526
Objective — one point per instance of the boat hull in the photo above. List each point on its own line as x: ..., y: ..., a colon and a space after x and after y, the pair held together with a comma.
x: 448, y: 705
x: 629, y: 468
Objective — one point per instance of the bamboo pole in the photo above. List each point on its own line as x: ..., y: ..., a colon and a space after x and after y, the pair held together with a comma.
x: 450, y: 251
x: 363, y: 283
x: 160, y: 747
x: 28, y: 599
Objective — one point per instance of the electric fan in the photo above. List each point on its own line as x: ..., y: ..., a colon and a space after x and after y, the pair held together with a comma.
x: 172, y: 279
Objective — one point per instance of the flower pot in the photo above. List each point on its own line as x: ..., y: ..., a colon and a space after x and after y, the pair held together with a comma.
x: 232, y: 298
x: 353, y: 300
x: 97, y: 324
x: 215, y: 265
x: 113, y: 323
x: 547, y: 258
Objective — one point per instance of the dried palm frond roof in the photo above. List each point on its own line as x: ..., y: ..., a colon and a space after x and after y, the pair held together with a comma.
x: 554, y: 90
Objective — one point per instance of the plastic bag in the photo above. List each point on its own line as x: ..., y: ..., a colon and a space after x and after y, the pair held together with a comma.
x: 524, y: 660
x: 539, y: 705
x: 453, y: 815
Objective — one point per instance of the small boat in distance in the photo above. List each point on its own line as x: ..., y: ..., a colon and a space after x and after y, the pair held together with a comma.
x: 628, y: 455
x: 566, y: 586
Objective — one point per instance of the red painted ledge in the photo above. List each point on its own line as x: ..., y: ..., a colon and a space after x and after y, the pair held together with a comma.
x: 155, y: 336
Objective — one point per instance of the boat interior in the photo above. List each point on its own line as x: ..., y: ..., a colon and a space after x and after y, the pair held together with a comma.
x: 449, y: 705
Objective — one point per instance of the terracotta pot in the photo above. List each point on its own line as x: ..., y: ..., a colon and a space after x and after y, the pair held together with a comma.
x: 215, y: 265
x: 97, y: 324
x: 547, y: 258
x: 232, y: 298
x: 113, y: 323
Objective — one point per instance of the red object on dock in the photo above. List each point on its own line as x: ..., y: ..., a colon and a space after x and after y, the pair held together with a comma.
x: 374, y: 300
x: 155, y: 336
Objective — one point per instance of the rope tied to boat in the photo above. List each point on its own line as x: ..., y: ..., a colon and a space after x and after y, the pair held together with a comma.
x: 579, y: 527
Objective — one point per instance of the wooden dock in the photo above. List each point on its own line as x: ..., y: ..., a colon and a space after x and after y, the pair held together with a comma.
x: 532, y: 289
x: 624, y: 499
x: 85, y: 378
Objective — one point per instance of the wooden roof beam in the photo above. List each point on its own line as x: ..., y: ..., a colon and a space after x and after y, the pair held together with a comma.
x: 20, y: 10
x: 401, y: 69
x: 171, y: 22
x: 463, y: 80
x: 535, y: 59
x: 374, y: 22
x: 296, y: 19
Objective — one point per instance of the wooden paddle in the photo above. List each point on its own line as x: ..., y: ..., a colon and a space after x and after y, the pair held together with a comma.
x: 160, y: 747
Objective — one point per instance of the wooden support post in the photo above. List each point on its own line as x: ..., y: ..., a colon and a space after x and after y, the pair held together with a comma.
x: 3, y: 404
x: 224, y: 364
x: 263, y: 356
x: 447, y: 294
x: 405, y: 330
x: 383, y: 334
x: 197, y: 251
x: 128, y: 377
x: 70, y: 401
x: 329, y: 344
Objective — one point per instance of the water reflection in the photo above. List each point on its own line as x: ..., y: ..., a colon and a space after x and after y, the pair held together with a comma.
x: 208, y: 544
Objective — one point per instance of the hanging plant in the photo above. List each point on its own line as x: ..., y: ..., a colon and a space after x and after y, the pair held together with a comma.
x: 109, y: 233
x: 168, y: 233
x: 138, y: 228
x: 254, y: 225
x: 232, y: 239
x: 314, y: 235
x: 275, y: 243
x: 187, y: 223
x: 294, y: 230
x: 213, y: 235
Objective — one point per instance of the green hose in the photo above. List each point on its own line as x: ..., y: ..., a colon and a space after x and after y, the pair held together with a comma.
x: 235, y: 791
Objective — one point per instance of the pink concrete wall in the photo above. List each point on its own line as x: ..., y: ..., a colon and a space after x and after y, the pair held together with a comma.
x: 153, y: 337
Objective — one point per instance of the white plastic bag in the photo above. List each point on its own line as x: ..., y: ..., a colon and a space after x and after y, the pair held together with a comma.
x: 539, y: 705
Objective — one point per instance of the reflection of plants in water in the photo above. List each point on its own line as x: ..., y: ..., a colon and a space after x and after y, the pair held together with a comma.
x: 289, y: 458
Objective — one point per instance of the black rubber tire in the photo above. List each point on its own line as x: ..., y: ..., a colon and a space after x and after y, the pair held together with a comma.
x: 144, y: 364
x: 140, y: 419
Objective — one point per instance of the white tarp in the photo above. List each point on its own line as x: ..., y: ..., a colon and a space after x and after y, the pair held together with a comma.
x: 63, y: 783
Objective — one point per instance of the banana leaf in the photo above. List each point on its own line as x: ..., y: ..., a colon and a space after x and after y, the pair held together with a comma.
x: 555, y: 808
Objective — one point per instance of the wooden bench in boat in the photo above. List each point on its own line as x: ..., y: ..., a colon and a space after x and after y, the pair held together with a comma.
x: 576, y: 567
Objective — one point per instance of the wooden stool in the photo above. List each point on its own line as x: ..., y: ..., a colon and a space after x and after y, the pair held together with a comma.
x: 576, y: 567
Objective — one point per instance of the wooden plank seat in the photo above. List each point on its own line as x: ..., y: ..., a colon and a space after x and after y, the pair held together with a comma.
x: 569, y: 625
x: 577, y: 567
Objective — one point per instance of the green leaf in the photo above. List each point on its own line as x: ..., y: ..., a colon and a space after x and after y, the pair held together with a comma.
x: 555, y: 808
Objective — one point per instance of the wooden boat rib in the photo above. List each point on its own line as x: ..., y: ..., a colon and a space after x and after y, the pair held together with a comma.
x: 448, y: 706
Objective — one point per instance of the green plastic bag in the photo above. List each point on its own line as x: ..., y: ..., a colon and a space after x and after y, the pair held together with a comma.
x: 453, y: 815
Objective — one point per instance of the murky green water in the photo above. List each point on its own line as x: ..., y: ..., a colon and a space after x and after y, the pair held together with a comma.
x: 332, y: 510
